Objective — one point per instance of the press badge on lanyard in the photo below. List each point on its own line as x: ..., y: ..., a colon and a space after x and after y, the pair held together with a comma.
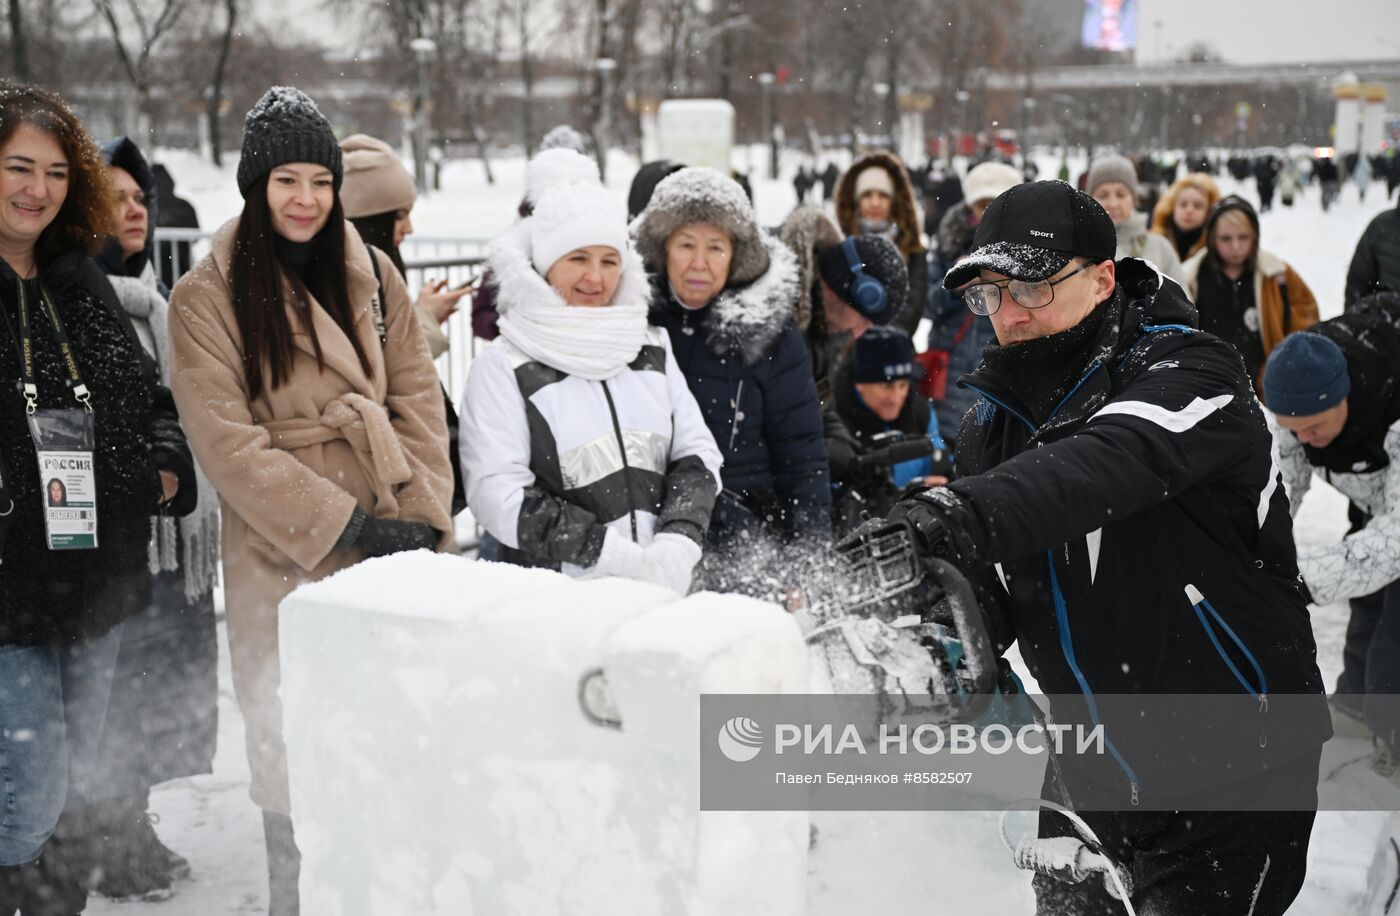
x: 64, y: 440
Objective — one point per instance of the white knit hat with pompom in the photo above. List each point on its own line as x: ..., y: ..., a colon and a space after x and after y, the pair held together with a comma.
x: 572, y: 208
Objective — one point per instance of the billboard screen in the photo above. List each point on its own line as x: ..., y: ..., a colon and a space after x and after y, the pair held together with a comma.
x: 1110, y: 25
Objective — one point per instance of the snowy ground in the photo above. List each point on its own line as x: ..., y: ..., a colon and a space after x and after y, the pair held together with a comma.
x: 894, y: 863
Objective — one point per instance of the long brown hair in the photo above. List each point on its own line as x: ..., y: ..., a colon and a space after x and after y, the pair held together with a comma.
x: 85, y: 219
x: 257, y: 292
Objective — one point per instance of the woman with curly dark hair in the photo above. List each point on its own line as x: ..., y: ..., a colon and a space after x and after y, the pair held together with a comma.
x: 91, y: 414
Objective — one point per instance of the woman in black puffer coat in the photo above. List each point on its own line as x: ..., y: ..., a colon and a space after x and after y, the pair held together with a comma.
x: 61, y: 609
x: 726, y: 292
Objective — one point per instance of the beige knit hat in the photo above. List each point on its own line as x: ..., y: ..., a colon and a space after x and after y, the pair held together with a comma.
x: 375, y: 180
x: 874, y: 178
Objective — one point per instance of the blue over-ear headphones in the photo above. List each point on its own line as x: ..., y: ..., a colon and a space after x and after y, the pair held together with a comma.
x: 868, y: 295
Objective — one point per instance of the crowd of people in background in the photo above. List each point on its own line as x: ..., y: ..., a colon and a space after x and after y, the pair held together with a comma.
x: 671, y: 390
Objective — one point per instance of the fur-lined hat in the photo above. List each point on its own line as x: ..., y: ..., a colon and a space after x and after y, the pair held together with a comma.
x: 702, y: 195
x: 807, y: 231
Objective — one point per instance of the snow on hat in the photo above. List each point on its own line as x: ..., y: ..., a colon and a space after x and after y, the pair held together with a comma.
x: 564, y: 137
x: 989, y: 180
x: 883, y: 355
x: 286, y: 126
x: 575, y: 215
x: 702, y: 195
x: 1033, y: 230
x: 1112, y: 168
x: 554, y: 167
x: 375, y: 179
x: 880, y: 260
x: 874, y: 178
x: 1306, y: 374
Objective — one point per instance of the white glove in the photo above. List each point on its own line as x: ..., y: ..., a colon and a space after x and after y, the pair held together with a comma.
x: 670, y: 560
x: 620, y: 556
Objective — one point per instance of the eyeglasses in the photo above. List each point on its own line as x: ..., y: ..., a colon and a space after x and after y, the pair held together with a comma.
x: 985, y: 298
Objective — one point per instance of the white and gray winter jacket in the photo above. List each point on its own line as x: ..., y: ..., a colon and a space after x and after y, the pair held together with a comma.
x: 1363, y: 461
x: 552, y: 460
x: 1366, y: 560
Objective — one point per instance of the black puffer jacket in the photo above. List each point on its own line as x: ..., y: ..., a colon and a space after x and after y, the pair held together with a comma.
x: 1152, y: 479
x: 744, y: 361
x: 1376, y: 263
x: 59, y: 597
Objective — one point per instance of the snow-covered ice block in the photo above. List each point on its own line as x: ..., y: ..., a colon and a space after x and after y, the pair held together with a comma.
x: 441, y: 761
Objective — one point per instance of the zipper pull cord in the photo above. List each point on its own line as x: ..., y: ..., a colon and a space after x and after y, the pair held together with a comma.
x: 738, y: 415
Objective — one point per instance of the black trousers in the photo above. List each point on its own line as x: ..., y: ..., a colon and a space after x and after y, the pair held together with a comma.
x: 1184, y: 863
x: 1371, y: 662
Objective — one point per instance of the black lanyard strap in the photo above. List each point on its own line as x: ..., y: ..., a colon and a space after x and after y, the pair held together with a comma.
x: 26, y: 352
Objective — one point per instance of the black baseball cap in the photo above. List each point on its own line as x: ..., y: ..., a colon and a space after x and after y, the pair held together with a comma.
x: 1033, y: 230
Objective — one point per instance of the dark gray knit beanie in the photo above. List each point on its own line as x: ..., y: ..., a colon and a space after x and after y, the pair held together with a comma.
x: 286, y: 126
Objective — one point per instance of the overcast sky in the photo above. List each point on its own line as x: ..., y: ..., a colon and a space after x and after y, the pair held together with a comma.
x: 1272, y: 31
x: 1243, y: 31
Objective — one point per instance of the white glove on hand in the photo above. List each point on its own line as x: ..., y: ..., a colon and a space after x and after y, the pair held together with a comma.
x: 620, y: 556
x: 670, y: 560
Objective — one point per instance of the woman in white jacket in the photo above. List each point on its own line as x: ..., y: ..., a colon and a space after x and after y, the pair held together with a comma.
x: 582, y: 447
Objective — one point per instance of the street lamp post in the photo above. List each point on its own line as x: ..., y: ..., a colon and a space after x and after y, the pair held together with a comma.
x: 882, y: 91
x: 1027, y: 116
x: 962, y: 96
x: 605, y: 67
x: 765, y: 84
x: 423, y: 49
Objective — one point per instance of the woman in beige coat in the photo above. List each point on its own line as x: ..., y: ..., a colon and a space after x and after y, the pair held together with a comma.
x: 324, y: 436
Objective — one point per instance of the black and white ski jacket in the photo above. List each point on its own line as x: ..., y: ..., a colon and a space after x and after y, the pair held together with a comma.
x: 1141, y: 533
x: 552, y: 460
x: 1363, y: 462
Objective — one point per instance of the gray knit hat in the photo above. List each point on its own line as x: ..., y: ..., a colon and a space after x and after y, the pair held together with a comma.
x: 1112, y: 168
x: 286, y: 126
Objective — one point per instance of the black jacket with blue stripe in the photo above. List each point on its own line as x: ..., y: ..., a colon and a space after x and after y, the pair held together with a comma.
x: 1141, y: 533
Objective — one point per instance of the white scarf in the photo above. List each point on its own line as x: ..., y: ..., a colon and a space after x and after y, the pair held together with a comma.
x: 591, y: 343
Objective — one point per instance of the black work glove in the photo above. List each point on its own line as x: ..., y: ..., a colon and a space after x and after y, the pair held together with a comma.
x: 1305, y: 591
x: 166, y: 435
x: 380, y: 537
x: 927, y: 512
